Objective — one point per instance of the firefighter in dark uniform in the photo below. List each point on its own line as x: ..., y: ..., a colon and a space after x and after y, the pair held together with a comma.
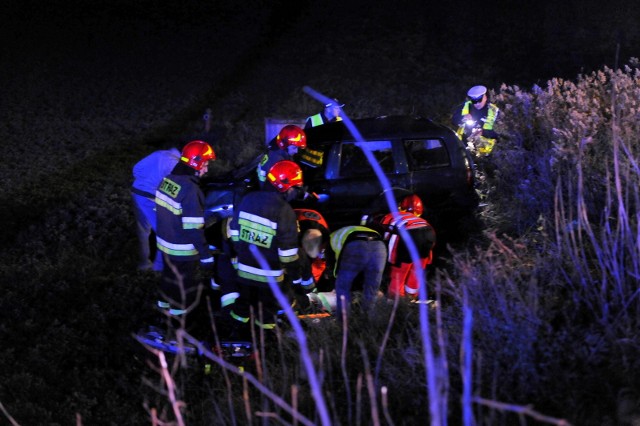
x: 331, y: 113
x: 180, y: 231
x: 289, y: 140
x: 265, y: 221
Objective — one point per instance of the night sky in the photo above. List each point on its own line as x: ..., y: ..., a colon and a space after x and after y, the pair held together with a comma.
x: 520, y: 42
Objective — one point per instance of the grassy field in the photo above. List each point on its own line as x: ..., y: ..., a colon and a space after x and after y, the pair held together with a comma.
x: 539, y: 313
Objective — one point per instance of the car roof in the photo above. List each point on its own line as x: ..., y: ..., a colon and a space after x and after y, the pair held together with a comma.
x: 384, y: 127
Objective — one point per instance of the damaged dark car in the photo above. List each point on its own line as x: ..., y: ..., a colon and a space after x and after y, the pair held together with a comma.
x: 416, y: 155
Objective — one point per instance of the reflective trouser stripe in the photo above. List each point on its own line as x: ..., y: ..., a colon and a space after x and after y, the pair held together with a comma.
x: 229, y: 299
x: 265, y: 326
x: 239, y: 318
x: 167, y: 307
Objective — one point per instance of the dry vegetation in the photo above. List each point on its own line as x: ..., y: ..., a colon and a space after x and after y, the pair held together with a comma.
x: 544, y: 300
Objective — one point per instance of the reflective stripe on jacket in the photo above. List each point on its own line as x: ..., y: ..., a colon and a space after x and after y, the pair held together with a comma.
x: 267, y: 222
x: 268, y: 160
x: 339, y: 238
x: 180, y: 216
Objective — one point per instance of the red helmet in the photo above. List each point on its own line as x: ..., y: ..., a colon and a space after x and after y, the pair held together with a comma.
x: 311, y: 216
x: 196, y: 153
x: 413, y: 204
x: 291, y: 135
x: 284, y: 175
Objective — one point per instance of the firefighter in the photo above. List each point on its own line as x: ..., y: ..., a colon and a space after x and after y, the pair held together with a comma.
x: 181, y: 238
x: 355, y: 250
x: 331, y: 113
x: 402, y: 278
x: 313, y: 239
x: 266, y: 222
x: 147, y: 175
x: 475, y: 120
x: 289, y: 140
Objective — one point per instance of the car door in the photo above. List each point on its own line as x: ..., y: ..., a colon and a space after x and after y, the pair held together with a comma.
x: 432, y: 174
x: 351, y: 183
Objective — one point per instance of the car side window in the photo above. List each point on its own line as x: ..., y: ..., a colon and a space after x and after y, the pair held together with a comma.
x: 354, y: 163
x: 425, y: 154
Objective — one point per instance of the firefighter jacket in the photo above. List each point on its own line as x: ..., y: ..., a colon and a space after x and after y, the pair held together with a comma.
x: 338, y: 239
x: 149, y: 172
x: 268, y: 160
x: 419, y: 230
x: 264, y: 220
x: 180, y: 216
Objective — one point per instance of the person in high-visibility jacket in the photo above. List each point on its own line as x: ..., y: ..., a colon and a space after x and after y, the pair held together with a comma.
x: 356, y: 249
x: 402, y: 277
x: 475, y: 119
x: 180, y: 231
x: 265, y: 221
x: 329, y: 114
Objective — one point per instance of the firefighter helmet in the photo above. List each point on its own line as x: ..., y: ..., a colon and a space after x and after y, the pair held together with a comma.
x: 291, y: 135
x: 196, y: 153
x: 413, y: 204
x: 476, y: 93
x: 285, y: 174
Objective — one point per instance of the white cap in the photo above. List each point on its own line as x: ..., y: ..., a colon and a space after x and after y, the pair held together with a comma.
x: 333, y: 102
x: 476, y: 92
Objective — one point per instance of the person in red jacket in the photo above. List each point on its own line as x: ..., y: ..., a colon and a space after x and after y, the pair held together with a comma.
x: 265, y: 222
x: 180, y: 231
x: 402, y: 277
x: 314, y: 238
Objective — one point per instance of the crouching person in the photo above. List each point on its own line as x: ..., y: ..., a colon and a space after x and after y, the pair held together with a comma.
x: 265, y: 221
x: 357, y: 249
x: 403, y: 280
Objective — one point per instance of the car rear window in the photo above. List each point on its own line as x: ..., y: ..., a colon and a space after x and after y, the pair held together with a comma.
x: 354, y: 163
x: 426, y: 153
